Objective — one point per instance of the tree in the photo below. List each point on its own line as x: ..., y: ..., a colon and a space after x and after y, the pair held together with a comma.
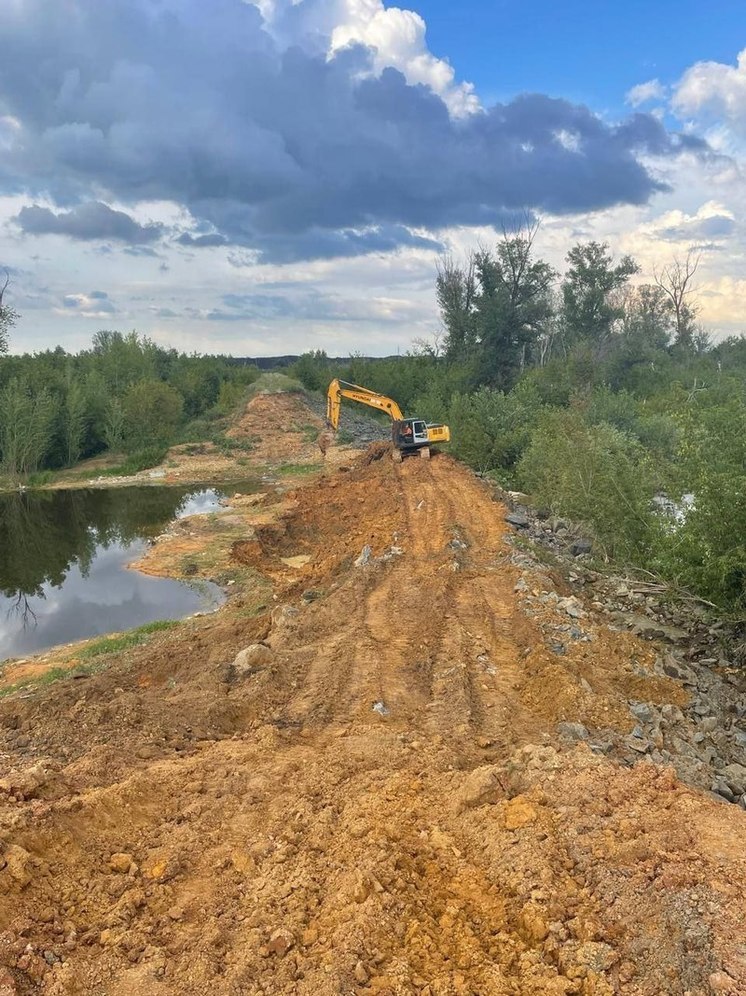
x: 75, y: 412
x: 26, y: 419
x: 152, y: 411
x: 124, y: 359
x: 456, y: 289
x: 675, y: 281
x: 514, y: 306
x: 114, y: 425
x: 8, y: 316
x: 592, y: 304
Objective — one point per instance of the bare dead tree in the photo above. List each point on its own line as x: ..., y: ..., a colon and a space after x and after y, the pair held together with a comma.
x: 675, y: 281
x: 5, y: 286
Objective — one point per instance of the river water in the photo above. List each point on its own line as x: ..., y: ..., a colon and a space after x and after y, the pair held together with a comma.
x: 64, y: 556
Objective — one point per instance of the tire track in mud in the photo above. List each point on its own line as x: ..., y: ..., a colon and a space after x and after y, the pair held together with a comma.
x: 404, y: 643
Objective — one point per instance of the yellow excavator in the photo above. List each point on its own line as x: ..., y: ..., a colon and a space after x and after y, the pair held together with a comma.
x: 409, y: 435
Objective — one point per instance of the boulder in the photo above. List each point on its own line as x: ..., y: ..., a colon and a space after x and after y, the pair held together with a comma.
x: 581, y: 546
x: 251, y: 659
x: 735, y: 776
x: 517, y: 519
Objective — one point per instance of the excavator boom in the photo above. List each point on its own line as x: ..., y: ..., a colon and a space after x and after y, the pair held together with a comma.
x: 339, y: 389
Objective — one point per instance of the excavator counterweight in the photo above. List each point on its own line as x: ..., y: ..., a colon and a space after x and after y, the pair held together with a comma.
x: 408, y: 435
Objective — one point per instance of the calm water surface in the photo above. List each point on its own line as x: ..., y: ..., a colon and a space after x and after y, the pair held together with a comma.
x: 63, y: 557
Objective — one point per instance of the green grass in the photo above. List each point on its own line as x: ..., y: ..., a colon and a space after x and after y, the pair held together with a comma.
x: 50, y: 677
x: 298, y: 469
x: 115, y: 644
x: 143, y: 459
x: 39, y: 478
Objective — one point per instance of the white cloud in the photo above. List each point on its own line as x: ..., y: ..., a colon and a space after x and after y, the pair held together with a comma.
x: 398, y: 38
x: 643, y: 92
x: 714, y: 91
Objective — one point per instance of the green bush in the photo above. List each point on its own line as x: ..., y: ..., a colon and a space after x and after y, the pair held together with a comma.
x: 707, y: 551
x: 490, y: 429
x: 595, y: 475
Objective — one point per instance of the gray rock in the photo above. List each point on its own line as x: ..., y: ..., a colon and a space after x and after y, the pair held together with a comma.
x: 602, y: 747
x: 735, y: 776
x: 580, y: 546
x: 364, y: 559
x: 572, y: 607
x: 722, y: 788
x: 740, y: 738
x: 643, y: 711
x: 517, y: 519
x: 572, y: 731
x: 682, y: 747
x: 709, y: 724
x: 640, y: 744
x: 692, y: 771
x: 671, y: 713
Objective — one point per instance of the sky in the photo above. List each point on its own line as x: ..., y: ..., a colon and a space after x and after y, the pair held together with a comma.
x: 259, y: 177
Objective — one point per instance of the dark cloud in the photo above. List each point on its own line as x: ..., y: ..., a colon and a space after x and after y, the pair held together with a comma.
x: 87, y: 222
x: 277, y: 150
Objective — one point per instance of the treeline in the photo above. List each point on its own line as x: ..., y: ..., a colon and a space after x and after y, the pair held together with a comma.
x: 125, y: 394
x: 596, y: 397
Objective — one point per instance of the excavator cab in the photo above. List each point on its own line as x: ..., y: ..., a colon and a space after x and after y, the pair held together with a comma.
x: 409, y: 433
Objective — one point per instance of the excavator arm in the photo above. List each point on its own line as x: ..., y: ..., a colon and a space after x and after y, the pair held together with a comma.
x: 339, y: 389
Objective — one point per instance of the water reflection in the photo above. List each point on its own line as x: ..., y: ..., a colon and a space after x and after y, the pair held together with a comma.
x: 63, y: 557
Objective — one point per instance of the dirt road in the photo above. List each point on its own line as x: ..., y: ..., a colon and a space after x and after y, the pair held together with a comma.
x: 374, y: 798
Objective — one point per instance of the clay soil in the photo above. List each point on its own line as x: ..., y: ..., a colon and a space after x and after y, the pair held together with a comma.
x: 375, y: 798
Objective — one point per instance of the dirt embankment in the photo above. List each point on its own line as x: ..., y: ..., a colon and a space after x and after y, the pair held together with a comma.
x: 362, y: 788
